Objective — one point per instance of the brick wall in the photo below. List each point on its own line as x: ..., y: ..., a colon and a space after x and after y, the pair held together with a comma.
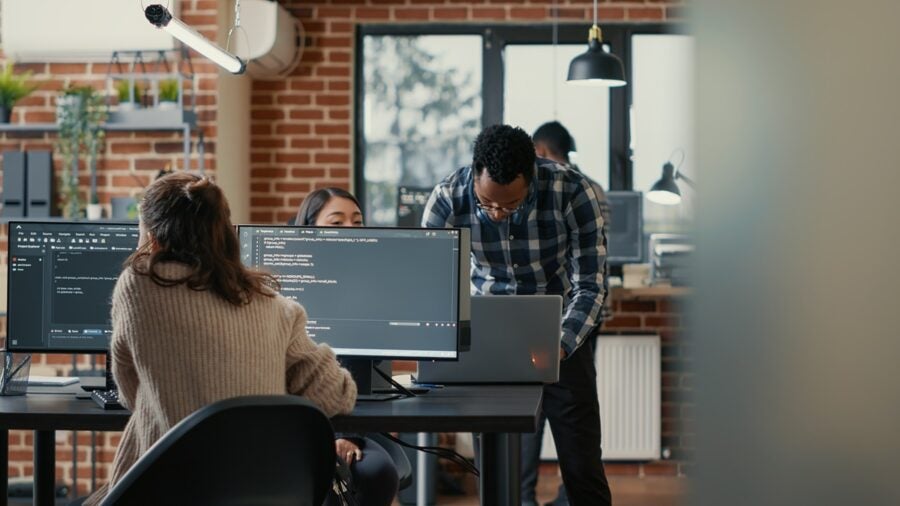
x: 662, y: 315
x: 301, y: 139
x: 302, y: 126
x: 129, y: 161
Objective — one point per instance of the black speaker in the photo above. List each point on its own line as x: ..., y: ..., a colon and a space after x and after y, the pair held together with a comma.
x: 39, y: 186
x: 14, y: 184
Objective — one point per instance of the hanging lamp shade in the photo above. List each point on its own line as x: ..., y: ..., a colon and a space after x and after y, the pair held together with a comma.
x: 665, y: 191
x: 596, y: 67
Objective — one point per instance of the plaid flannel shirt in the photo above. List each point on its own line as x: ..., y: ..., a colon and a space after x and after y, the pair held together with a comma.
x: 554, y: 244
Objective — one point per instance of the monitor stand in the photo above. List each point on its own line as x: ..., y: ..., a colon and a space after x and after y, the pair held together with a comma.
x: 370, y: 386
x: 107, y: 384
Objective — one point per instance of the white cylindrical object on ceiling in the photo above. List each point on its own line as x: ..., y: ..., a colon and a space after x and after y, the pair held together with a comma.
x: 275, y: 38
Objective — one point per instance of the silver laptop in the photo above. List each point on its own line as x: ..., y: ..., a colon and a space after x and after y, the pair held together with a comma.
x: 515, y: 339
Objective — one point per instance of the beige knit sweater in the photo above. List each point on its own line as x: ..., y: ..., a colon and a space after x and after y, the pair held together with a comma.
x: 175, y: 350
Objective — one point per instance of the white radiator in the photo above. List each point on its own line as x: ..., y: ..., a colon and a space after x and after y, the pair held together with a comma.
x: 628, y: 386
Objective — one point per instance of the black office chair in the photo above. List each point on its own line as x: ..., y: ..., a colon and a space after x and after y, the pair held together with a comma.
x: 401, y: 462
x: 259, y: 450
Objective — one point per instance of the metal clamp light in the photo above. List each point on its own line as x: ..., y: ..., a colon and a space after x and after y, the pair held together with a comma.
x: 665, y: 191
x: 160, y: 17
x: 596, y: 67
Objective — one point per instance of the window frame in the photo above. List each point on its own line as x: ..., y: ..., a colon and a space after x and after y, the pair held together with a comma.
x: 495, y: 37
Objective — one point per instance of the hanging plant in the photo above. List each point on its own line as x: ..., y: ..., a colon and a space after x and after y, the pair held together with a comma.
x: 80, y: 115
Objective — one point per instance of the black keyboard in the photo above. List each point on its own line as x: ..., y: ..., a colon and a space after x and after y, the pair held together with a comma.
x: 107, y: 399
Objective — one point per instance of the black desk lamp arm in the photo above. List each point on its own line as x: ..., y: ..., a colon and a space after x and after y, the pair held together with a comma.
x: 690, y: 182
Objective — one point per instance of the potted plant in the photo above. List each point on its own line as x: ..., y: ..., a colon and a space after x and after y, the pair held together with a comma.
x: 168, y: 93
x: 94, y: 209
x: 13, y: 87
x: 129, y: 94
x: 80, y: 115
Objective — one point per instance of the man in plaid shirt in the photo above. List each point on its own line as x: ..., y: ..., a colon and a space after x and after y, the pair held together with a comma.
x: 537, y: 229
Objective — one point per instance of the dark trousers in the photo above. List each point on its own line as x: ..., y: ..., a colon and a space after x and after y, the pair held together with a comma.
x: 531, y: 463
x: 374, y: 477
x: 572, y: 408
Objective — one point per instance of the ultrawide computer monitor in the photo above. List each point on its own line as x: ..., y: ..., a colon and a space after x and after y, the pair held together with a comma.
x: 60, y: 281
x: 377, y: 293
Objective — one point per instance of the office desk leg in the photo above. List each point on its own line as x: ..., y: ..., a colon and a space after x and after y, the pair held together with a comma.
x: 44, y: 467
x: 4, y: 473
x: 500, y: 469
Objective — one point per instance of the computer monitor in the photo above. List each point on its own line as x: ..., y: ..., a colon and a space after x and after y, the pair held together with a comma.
x: 411, y: 202
x: 371, y: 293
x: 61, y: 277
x: 625, y: 233
x: 374, y: 293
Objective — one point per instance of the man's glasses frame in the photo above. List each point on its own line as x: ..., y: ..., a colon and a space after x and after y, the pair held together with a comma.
x: 492, y: 209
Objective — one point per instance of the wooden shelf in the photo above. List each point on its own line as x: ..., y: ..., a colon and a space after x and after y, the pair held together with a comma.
x: 621, y: 293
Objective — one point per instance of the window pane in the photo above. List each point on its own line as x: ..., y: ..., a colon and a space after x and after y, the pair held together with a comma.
x: 662, y: 122
x: 422, y: 111
x: 535, y: 95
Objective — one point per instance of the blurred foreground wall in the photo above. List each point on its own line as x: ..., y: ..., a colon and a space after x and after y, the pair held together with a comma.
x: 797, y: 314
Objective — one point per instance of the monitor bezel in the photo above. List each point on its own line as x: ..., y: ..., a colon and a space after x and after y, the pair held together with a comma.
x: 461, y: 325
x: 55, y: 351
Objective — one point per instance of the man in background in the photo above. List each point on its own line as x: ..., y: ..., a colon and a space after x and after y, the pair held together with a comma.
x: 512, y: 203
x: 552, y: 141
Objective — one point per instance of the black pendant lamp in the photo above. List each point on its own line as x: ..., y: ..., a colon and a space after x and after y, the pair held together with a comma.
x: 596, y: 67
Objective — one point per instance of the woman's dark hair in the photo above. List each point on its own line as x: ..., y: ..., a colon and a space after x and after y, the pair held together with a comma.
x: 315, y: 201
x: 189, y: 222
x: 506, y: 152
x: 556, y: 138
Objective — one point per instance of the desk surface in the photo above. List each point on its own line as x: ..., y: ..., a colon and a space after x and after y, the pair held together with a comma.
x: 56, y: 408
x: 451, y: 409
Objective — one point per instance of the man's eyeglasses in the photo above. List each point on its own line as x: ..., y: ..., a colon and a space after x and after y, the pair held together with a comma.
x: 493, y: 209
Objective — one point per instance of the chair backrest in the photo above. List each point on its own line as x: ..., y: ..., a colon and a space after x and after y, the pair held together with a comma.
x: 254, y: 450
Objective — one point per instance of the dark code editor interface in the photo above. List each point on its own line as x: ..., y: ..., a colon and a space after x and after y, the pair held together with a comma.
x: 367, y: 292
x: 61, y: 278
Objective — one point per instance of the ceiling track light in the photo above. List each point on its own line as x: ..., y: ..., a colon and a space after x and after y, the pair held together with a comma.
x: 160, y: 17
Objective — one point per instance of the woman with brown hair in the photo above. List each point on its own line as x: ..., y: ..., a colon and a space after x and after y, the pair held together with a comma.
x: 192, y: 325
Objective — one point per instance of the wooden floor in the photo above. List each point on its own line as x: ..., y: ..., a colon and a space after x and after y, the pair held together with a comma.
x: 626, y: 490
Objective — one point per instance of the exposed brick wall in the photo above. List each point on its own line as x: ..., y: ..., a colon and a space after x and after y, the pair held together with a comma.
x: 663, y: 316
x: 302, y: 126
x: 143, y: 152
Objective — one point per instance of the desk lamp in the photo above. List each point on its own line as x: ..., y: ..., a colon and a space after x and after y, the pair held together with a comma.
x: 665, y: 191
